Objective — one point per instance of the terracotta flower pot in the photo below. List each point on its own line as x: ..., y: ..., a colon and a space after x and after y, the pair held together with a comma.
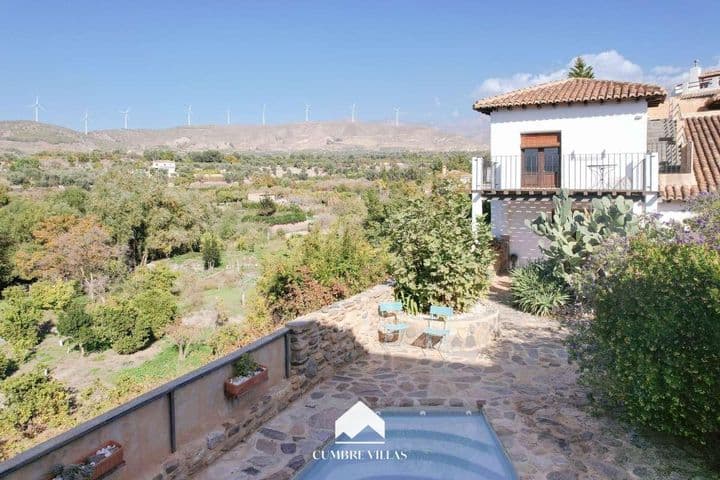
x: 106, y: 464
x: 234, y: 390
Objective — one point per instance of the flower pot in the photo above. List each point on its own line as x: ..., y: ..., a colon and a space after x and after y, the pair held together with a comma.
x: 105, y: 465
x: 234, y: 389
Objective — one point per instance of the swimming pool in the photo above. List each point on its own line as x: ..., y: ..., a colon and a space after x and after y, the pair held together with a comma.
x: 419, y: 446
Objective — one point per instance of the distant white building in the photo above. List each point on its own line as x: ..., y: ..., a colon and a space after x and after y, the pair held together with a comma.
x: 166, y: 165
x: 587, y: 136
x: 699, y: 81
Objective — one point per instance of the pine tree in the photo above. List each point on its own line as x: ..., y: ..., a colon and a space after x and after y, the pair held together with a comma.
x: 581, y: 70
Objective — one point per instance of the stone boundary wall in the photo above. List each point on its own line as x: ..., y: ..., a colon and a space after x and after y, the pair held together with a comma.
x: 191, y: 414
x: 322, y: 341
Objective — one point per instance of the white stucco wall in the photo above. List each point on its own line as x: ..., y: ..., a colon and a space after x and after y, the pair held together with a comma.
x: 618, y: 130
x: 593, y: 128
x: 673, y: 211
x: 508, y: 218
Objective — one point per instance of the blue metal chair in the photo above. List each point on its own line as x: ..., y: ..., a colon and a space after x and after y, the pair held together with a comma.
x: 387, y: 309
x: 440, y: 314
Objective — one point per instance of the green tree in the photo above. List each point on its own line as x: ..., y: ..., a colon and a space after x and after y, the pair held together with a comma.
x: 581, y: 70
x: 150, y: 218
x: 210, y: 248
x: 20, y: 320
x: 437, y: 257
x: 139, y: 312
x: 77, y: 325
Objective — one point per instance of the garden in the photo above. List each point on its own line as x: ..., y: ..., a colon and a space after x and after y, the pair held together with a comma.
x: 641, y: 300
x: 115, y: 278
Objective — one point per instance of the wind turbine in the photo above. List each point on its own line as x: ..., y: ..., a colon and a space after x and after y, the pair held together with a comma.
x: 307, y: 112
x: 85, y: 120
x: 227, y: 114
x: 397, y: 117
x: 263, y: 115
x: 189, y: 114
x: 352, y: 116
x: 125, y: 113
x: 37, y: 107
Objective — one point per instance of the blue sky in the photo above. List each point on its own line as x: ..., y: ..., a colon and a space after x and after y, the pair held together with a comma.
x: 430, y: 59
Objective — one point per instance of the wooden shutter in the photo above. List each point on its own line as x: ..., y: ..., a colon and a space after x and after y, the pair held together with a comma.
x: 539, y: 140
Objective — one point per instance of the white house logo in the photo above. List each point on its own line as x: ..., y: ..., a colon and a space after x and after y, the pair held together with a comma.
x: 360, y: 425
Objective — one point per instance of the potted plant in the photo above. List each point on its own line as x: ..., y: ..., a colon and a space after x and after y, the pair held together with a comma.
x: 247, y: 373
x: 94, y: 465
x: 72, y: 472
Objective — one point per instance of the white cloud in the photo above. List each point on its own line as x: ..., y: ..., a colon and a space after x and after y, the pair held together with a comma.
x: 609, y: 64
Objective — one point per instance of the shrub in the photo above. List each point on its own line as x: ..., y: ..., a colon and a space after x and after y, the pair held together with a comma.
x: 319, y: 269
x: 139, y: 313
x: 150, y: 292
x: 226, y: 338
x: 535, y: 290
x: 653, y: 350
x: 438, y: 258
x: 76, y: 324
x: 229, y: 194
x: 266, y: 207
x: 116, y: 324
x: 705, y: 224
x: 56, y: 295
x: 34, y: 402
x: 7, y: 366
x: 211, y: 250
x: 20, y: 320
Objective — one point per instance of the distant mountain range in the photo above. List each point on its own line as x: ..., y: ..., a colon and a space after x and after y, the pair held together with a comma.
x: 30, y: 137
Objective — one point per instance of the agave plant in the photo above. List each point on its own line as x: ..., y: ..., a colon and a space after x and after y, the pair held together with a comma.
x: 535, y: 290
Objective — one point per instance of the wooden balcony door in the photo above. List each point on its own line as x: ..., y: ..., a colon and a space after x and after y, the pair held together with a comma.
x: 540, y: 160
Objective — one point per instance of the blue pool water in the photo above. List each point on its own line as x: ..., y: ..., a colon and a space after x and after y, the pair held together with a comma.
x: 436, y: 445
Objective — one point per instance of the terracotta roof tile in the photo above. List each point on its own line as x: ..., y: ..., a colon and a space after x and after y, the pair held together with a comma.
x: 704, y: 132
x: 572, y: 90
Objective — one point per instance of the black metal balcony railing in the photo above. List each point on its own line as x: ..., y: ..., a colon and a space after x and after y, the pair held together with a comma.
x: 629, y: 172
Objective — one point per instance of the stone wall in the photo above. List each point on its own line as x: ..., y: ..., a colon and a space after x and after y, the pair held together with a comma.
x: 324, y: 340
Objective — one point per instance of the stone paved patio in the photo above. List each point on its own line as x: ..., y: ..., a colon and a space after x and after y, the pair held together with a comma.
x: 524, y: 381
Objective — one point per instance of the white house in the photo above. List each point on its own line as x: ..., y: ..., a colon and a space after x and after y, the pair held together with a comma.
x: 587, y: 136
x: 167, y: 165
x: 691, y: 121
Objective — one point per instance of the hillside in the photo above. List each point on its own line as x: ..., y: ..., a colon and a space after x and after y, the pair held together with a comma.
x: 29, y: 137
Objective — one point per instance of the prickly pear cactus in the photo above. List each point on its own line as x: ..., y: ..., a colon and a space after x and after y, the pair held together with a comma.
x: 572, y: 236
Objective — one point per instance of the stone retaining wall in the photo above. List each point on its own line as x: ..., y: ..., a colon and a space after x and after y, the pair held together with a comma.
x: 324, y: 340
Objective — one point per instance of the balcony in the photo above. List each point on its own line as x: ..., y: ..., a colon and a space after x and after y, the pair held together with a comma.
x: 627, y: 173
x: 710, y: 83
